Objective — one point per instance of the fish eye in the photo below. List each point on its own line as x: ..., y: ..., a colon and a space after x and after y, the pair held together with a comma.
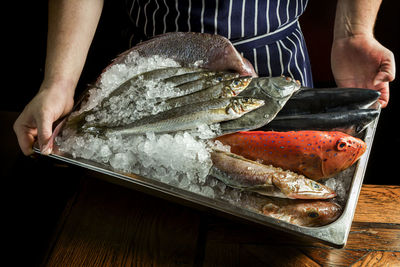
x: 316, y: 186
x: 313, y: 214
x: 341, y: 145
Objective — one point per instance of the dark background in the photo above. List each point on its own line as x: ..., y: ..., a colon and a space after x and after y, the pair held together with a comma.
x: 35, y: 191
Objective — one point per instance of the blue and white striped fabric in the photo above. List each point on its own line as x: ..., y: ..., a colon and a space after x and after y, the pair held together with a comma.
x: 266, y: 32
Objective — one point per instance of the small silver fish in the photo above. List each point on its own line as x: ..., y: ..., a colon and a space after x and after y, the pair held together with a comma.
x: 204, y: 83
x: 224, y: 89
x: 274, y: 91
x: 186, y: 117
x: 239, y: 172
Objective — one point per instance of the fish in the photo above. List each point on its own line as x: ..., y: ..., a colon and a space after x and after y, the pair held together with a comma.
x: 185, y: 117
x: 210, y: 51
x: 199, y: 80
x: 274, y: 91
x: 77, y: 121
x: 315, y: 154
x: 241, y: 173
x: 310, y: 213
x: 325, y: 100
x: 204, y: 83
x: 224, y: 89
x: 351, y: 122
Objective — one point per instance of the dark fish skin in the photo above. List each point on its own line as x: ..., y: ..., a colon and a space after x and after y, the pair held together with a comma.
x: 322, y: 100
x: 213, y: 52
x: 351, y: 122
x: 274, y: 91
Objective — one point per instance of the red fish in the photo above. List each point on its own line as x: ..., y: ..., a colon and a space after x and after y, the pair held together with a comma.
x: 315, y: 154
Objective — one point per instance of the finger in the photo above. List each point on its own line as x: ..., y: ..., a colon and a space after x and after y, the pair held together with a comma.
x: 387, y: 71
x: 383, y: 88
x: 44, y: 127
x: 25, y: 136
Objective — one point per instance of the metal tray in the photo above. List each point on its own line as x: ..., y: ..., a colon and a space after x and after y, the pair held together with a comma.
x: 334, y: 234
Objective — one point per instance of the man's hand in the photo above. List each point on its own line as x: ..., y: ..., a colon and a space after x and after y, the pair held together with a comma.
x: 361, y: 61
x: 36, y: 120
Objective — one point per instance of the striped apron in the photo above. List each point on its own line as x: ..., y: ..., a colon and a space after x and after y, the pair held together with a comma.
x: 266, y: 32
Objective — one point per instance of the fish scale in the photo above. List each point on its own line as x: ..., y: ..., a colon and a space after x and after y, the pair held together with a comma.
x: 315, y: 154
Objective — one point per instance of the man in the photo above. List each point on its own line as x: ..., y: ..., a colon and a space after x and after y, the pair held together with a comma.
x: 265, y: 31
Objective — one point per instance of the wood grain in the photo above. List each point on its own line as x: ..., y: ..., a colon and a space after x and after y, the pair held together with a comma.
x: 379, y: 258
x: 108, y: 225
x: 377, y: 204
x: 112, y: 226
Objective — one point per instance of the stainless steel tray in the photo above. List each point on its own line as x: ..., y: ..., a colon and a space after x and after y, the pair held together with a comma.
x: 334, y: 234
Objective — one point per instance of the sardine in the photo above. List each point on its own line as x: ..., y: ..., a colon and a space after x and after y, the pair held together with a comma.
x: 351, y: 122
x: 185, y: 117
x: 224, y: 89
x: 311, y: 213
x: 323, y: 100
x: 204, y: 83
x: 238, y: 172
x: 274, y: 91
x: 156, y: 74
x: 315, y: 154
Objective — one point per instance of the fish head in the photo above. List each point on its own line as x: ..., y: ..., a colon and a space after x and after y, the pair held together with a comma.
x: 318, y: 213
x: 277, y: 87
x: 242, y: 105
x: 340, y: 151
x: 303, y: 212
x: 309, y: 189
x: 237, y: 85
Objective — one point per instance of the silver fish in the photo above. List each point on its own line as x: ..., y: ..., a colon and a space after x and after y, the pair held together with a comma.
x: 193, y: 76
x: 224, y: 89
x: 274, y: 91
x: 239, y: 172
x: 156, y: 74
x: 204, y: 83
x: 185, y: 117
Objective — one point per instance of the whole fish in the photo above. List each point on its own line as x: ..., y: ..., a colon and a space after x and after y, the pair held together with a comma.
x: 204, y: 50
x: 274, y: 91
x: 310, y: 213
x: 315, y: 154
x: 185, y: 117
x: 238, y: 172
x: 204, y: 83
x: 323, y: 100
x: 224, y: 89
x: 351, y: 122
x: 77, y: 121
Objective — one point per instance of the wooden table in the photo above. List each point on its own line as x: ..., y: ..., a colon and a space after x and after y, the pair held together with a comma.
x: 108, y: 225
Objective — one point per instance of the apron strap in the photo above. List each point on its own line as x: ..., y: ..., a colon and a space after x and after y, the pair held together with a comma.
x: 249, y: 43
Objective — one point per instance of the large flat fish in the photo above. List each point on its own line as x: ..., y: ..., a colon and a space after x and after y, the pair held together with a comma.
x: 351, y: 122
x: 244, y: 174
x: 204, y: 50
x: 274, y: 91
x: 186, y: 117
x: 315, y: 154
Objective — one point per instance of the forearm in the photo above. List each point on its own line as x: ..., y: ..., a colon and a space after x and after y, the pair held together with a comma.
x: 355, y: 17
x: 71, y: 27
